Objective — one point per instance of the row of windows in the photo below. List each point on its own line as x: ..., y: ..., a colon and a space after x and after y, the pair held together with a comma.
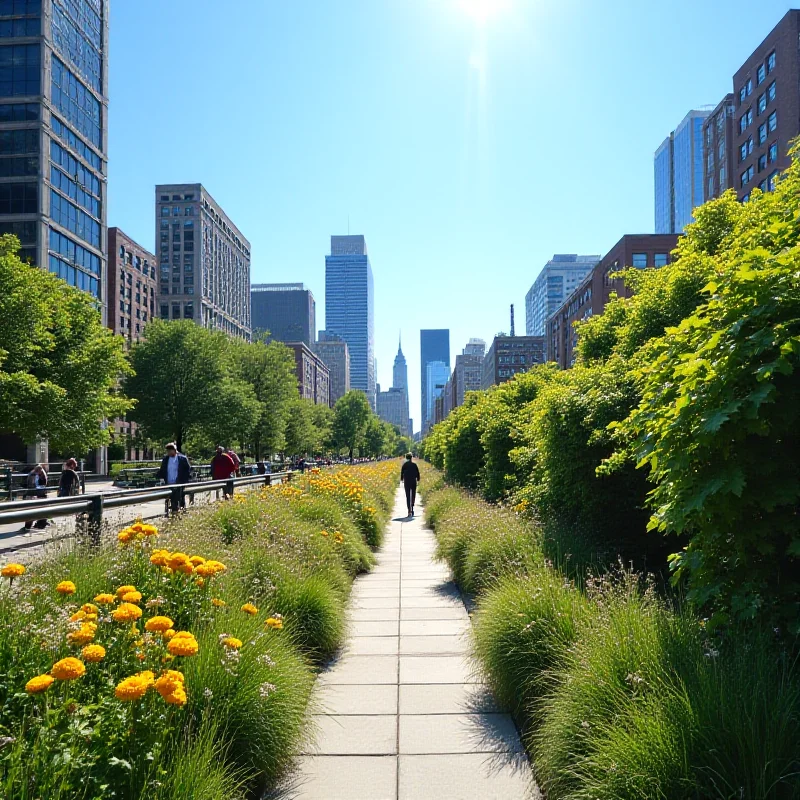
x: 19, y: 112
x: 86, y: 16
x: 19, y: 198
x: 20, y: 167
x: 24, y: 231
x: 73, y: 252
x: 746, y: 120
x: 73, y: 142
x: 165, y: 198
x: 766, y: 98
x: 71, y: 42
x: 10, y: 8
x: 176, y: 211
x: 74, y: 192
x: 19, y: 142
x: 74, y: 219
x: 20, y: 27
x: 85, y: 178
x: 761, y: 75
x: 188, y: 310
x: 126, y: 308
x: 20, y: 65
x: 73, y: 276
x: 76, y: 103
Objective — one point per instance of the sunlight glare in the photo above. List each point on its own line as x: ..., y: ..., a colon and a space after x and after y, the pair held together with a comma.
x: 481, y: 11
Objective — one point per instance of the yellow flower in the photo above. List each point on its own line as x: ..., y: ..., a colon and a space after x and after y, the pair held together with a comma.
x: 196, y: 560
x: 13, y: 571
x: 338, y: 538
x: 40, y: 683
x: 93, y: 653
x: 177, y: 560
x: 169, y: 681
x: 68, y: 669
x: 84, y: 635
x: 183, y: 643
x: 66, y: 587
x: 201, y: 582
x: 132, y: 597
x: 148, y: 530
x: 158, y: 624
x: 104, y: 599
x: 232, y: 642
x: 125, y: 589
x: 168, y: 634
x: 147, y: 676
x: 159, y: 558
x: 176, y: 698
x: 250, y: 609
x: 126, y: 612
x: 276, y: 623
x: 78, y: 615
x: 215, y: 566
x: 89, y: 608
x: 126, y: 535
x: 215, y: 601
x: 133, y: 688
x: 324, y: 533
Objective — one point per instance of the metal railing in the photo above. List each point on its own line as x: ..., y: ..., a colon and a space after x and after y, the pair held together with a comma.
x: 94, y: 505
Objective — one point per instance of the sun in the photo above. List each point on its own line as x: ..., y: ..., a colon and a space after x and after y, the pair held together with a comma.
x: 481, y: 11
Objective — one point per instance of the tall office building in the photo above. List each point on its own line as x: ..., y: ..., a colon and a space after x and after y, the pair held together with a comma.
x: 333, y: 350
x: 678, y: 172
x: 392, y: 406
x: 437, y: 374
x: 350, y: 307
x: 286, y: 310
x: 204, y: 261
x: 718, y: 163
x: 434, y: 345
x: 468, y: 373
x: 559, y: 276
x: 132, y: 285
x: 53, y: 136
x: 510, y: 355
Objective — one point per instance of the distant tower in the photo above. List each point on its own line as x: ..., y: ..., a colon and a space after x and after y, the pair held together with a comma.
x: 512, y: 319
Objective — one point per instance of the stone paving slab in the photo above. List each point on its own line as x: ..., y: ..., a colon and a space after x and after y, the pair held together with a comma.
x: 373, y: 646
x: 458, y: 733
x: 357, y: 698
x: 453, y: 698
x: 373, y: 629
x: 433, y: 627
x: 433, y: 613
x: 354, y: 735
x: 374, y: 614
x: 436, y: 669
x: 343, y: 778
x: 432, y: 645
x: 361, y: 669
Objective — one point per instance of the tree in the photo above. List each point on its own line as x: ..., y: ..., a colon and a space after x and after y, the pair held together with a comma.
x: 183, y: 384
x: 59, y: 366
x: 301, y: 434
x: 376, y: 436
x: 350, y: 417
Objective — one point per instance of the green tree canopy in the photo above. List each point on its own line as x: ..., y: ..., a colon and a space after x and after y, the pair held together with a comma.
x: 350, y: 417
x: 59, y: 366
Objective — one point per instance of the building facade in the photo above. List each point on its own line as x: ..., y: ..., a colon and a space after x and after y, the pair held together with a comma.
x: 765, y: 90
x: 642, y: 251
x: 392, y: 407
x: 678, y: 166
x: 468, y: 372
x: 132, y: 285
x: 333, y: 350
x: 54, y: 136
x: 286, y: 311
x: 434, y: 346
x: 437, y: 374
x: 510, y: 355
x: 718, y: 170
x: 400, y: 383
x: 204, y: 261
x: 556, y: 281
x: 313, y: 375
x: 350, y: 307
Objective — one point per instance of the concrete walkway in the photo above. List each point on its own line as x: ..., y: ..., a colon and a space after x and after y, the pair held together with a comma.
x: 400, y: 714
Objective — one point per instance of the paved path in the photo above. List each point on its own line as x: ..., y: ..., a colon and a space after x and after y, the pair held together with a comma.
x: 400, y: 715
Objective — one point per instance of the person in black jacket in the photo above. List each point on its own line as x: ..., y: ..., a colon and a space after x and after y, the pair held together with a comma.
x: 175, y: 469
x: 409, y: 474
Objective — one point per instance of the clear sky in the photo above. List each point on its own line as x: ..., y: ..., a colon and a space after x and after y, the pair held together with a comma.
x: 467, y: 146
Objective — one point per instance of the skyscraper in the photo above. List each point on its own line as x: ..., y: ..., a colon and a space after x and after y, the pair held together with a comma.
x: 53, y: 128
x: 333, y: 350
x: 468, y: 373
x: 350, y: 307
x: 204, y: 261
x: 434, y: 345
x: 559, y: 276
x: 396, y: 407
x: 678, y: 172
x: 437, y: 374
x: 286, y: 310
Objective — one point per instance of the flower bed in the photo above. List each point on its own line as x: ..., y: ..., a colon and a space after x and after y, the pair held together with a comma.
x: 179, y: 663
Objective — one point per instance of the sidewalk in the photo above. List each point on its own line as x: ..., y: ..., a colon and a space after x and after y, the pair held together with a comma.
x: 401, y: 715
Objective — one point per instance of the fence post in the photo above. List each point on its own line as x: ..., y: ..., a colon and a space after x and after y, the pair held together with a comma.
x: 7, y: 481
x: 95, y: 518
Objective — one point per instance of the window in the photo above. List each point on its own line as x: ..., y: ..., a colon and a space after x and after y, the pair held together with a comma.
x: 164, y: 211
x: 640, y: 260
x: 176, y: 311
x: 771, y: 92
x: 772, y: 121
x: 20, y: 66
x: 746, y: 120
x: 741, y: 95
x: 661, y: 259
x: 75, y: 254
x: 746, y: 149
x: 188, y: 311
x: 746, y: 176
x: 75, y: 102
x: 74, y: 219
x: 771, y: 180
x: 762, y: 162
x: 762, y: 104
x: 176, y: 197
x: 773, y: 152
x: 710, y: 186
x: 761, y: 74
x: 79, y: 44
x: 19, y: 142
x: 763, y: 186
x: 746, y: 198
x: 20, y: 7
x: 770, y: 62
x: 164, y: 311
x: 762, y: 133
x: 21, y: 167
x: 71, y: 189
x: 188, y: 211
x: 164, y: 198
x: 19, y: 112
x: 19, y: 198
x: 721, y: 149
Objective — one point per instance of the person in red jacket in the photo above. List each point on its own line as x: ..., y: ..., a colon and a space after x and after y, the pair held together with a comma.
x: 222, y: 467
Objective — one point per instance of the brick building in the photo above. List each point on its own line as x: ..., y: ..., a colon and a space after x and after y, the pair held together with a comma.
x: 718, y: 141
x: 313, y: 376
x: 509, y: 355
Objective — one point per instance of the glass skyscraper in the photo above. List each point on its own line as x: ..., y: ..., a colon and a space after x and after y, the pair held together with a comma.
x: 678, y: 173
x: 350, y: 307
x: 434, y: 346
x: 53, y: 136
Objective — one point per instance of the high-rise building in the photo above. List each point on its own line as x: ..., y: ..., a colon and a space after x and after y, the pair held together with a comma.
x: 437, y: 373
x: 392, y: 407
x: 204, y: 261
x: 53, y: 136
x: 400, y: 383
x: 678, y: 171
x: 718, y: 169
x: 509, y: 355
x: 558, y: 278
x: 313, y: 375
x: 434, y: 346
x: 468, y: 373
x: 767, y: 107
x: 286, y: 311
x: 333, y: 350
x: 350, y: 307
x: 132, y: 285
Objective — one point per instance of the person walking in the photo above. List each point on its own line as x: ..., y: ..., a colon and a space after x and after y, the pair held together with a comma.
x: 409, y: 475
x: 69, y: 483
x: 36, y: 488
x: 222, y: 468
x: 175, y: 469
x: 237, y: 462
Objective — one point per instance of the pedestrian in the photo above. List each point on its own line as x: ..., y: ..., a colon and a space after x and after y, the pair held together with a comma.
x: 261, y: 467
x: 236, y: 460
x: 69, y: 484
x: 409, y: 475
x: 174, y: 470
x: 36, y: 488
x: 222, y: 468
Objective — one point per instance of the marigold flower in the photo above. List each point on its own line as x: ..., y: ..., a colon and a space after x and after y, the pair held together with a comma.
x: 215, y: 601
x: 148, y: 530
x: 104, y: 599
x: 196, y: 560
x: 169, y: 681
x: 135, y: 687
x: 168, y: 634
x: 158, y: 624
x: 183, y: 644
x: 176, y: 560
x: 93, y: 653
x: 132, y: 597
x: 159, y: 558
x: 231, y: 642
x: 125, y: 589
x: 12, y: 570
x: 40, y: 683
x: 176, y: 698
x: 89, y: 608
x: 82, y: 636
x: 323, y: 533
x: 276, y: 623
x: 250, y: 609
x: 68, y: 669
x: 126, y: 612
x: 200, y: 582
x: 126, y: 535
x: 66, y: 587
x: 214, y: 567
x: 186, y: 568
x: 78, y: 615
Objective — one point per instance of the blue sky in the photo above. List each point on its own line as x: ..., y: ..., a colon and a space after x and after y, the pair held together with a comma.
x: 467, y: 150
